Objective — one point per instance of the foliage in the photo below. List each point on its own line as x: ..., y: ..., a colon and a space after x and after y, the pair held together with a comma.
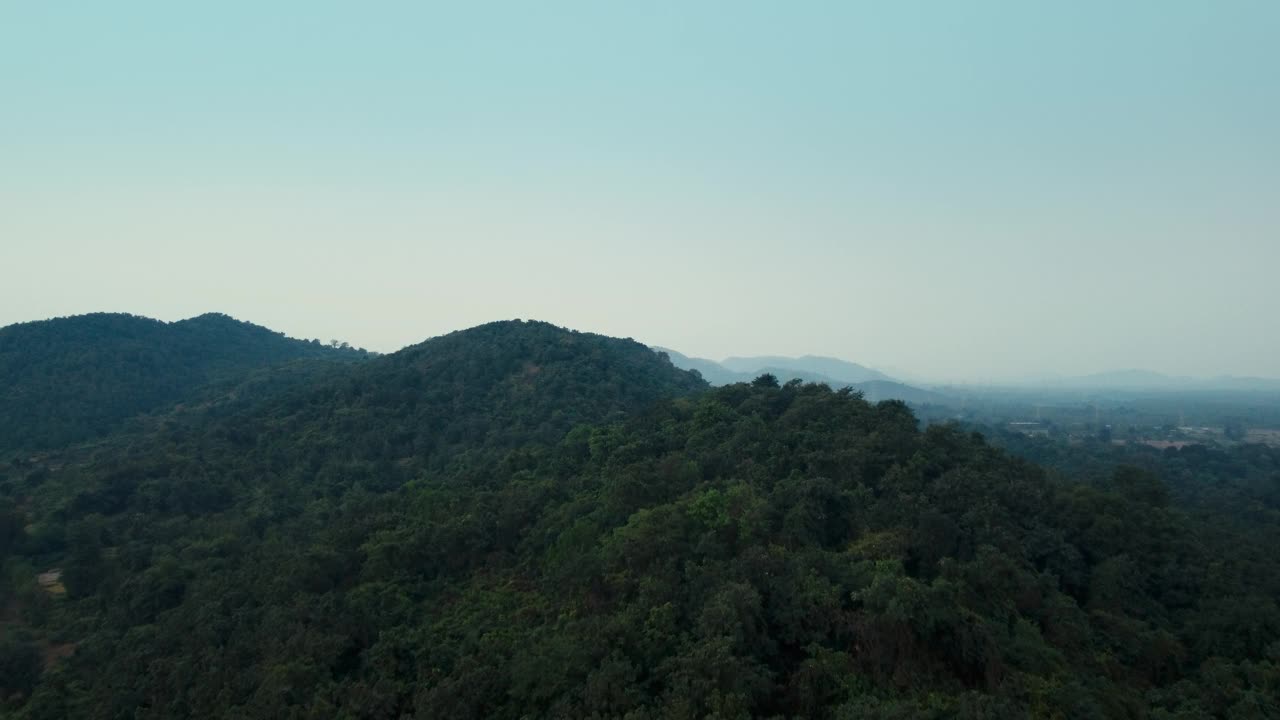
x: 73, y: 379
x: 520, y: 521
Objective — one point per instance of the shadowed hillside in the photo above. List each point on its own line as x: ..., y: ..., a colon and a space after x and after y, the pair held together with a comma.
x: 75, y: 378
x: 502, y: 384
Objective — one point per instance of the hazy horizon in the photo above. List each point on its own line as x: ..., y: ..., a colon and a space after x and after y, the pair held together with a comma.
x: 969, y: 193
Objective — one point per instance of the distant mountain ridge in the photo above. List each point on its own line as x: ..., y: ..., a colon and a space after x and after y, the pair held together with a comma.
x: 873, y: 384
x: 711, y: 371
x: 834, y: 368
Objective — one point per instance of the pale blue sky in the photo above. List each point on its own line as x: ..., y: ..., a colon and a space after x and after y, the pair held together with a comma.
x: 976, y: 190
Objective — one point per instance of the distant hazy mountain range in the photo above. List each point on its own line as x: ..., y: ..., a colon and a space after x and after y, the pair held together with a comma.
x: 873, y: 384
x: 876, y: 385
x: 834, y: 368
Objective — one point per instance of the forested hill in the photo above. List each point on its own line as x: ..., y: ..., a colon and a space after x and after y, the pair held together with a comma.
x: 419, y: 536
x: 518, y: 520
x: 496, y: 386
x: 75, y: 378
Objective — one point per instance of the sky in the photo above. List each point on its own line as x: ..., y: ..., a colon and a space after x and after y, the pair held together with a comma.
x: 953, y: 191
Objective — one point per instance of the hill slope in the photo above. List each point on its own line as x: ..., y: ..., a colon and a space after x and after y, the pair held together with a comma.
x: 459, y: 401
x: 502, y: 384
x: 74, y: 378
x: 521, y: 521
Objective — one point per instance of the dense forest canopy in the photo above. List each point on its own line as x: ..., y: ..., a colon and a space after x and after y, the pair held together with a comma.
x: 76, y: 378
x: 519, y: 520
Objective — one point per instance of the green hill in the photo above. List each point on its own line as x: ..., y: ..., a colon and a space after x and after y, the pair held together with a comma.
x: 500, y: 385
x: 519, y: 520
x: 73, y: 379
